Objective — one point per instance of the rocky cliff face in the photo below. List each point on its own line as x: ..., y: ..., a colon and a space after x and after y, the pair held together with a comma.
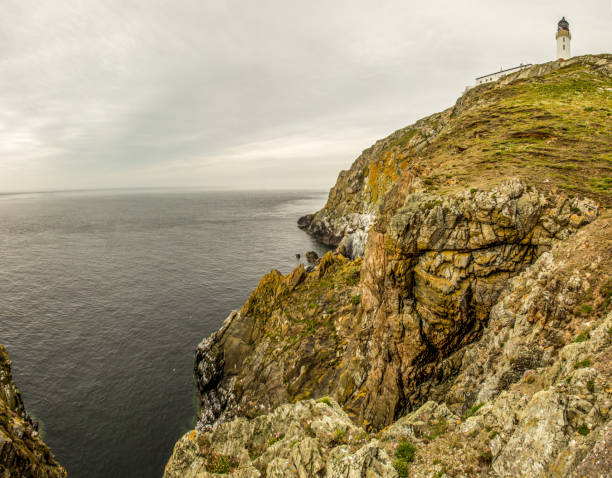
x: 22, y: 452
x: 480, y: 254
x: 531, y: 397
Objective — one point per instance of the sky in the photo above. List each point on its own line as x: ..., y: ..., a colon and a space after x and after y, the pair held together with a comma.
x: 249, y: 94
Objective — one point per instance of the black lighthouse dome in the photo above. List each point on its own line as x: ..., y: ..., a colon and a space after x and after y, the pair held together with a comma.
x: 563, y: 24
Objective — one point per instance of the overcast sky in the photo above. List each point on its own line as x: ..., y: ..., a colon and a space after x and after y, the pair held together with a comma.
x: 245, y: 94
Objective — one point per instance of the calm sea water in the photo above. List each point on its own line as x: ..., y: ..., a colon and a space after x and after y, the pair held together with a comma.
x: 105, y: 295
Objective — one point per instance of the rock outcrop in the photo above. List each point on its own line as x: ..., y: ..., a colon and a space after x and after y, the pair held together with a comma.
x: 465, y: 310
x: 22, y: 452
x: 375, y: 346
x: 307, y: 439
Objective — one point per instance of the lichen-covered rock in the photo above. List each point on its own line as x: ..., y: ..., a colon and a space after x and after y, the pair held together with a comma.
x: 22, y: 452
x: 306, y: 439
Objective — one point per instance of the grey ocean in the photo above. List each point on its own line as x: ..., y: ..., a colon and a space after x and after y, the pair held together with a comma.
x: 105, y: 295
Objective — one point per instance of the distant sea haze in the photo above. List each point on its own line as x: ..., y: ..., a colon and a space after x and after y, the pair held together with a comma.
x: 105, y: 296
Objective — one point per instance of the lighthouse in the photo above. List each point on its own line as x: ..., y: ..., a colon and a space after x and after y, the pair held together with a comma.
x: 564, y: 37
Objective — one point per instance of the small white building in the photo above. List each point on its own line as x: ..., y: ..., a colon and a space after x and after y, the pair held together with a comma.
x: 564, y: 38
x: 497, y: 75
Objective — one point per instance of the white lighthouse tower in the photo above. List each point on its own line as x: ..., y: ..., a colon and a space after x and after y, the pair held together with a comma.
x: 564, y: 37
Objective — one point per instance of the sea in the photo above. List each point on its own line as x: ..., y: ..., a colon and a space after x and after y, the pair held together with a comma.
x: 104, y: 296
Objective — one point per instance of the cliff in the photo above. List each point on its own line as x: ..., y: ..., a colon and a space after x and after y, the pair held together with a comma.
x: 464, y: 316
x: 22, y: 452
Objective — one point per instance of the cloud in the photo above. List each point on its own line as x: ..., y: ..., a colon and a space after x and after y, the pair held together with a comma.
x: 272, y: 93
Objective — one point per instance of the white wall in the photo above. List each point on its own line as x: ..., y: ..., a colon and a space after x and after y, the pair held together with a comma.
x: 563, y: 46
x: 496, y: 76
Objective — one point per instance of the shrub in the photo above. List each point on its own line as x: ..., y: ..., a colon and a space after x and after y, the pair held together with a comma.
x: 485, y: 457
x: 583, y: 430
x: 324, y: 400
x: 583, y: 363
x: 401, y: 467
x: 339, y: 436
x: 405, y: 451
x: 591, y: 386
x: 356, y: 299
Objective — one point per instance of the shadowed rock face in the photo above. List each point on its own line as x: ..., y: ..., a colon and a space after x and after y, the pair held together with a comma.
x: 22, y: 453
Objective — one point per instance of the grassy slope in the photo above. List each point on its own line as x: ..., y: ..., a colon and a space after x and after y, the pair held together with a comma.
x: 554, y: 130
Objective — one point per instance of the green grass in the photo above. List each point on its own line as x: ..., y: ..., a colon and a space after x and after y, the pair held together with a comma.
x: 221, y: 464
x: 404, y: 454
x: 583, y: 430
x: 473, y: 410
x: 405, y: 451
x: 339, y: 436
x: 436, y: 429
x: 583, y: 364
x: 582, y: 337
x: 583, y: 310
x: 325, y: 400
x: 401, y: 467
x: 276, y: 438
x: 606, y: 292
x: 591, y: 386
x: 403, y: 140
